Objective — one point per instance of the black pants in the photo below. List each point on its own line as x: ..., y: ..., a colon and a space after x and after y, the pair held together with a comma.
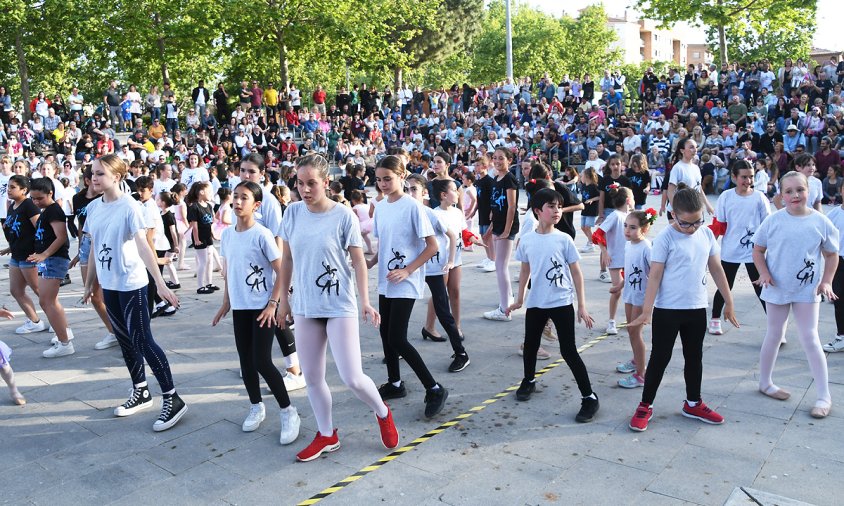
x: 667, y: 323
x: 395, y: 315
x: 838, y: 288
x: 285, y: 341
x: 731, y: 269
x: 439, y: 296
x: 563, y: 318
x: 254, y: 348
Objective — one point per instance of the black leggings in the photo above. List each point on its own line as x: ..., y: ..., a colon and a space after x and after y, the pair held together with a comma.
x: 838, y: 288
x: 667, y: 323
x: 286, y: 341
x: 439, y: 296
x: 395, y: 315
x: 731, y: 269
x: 563, y: 318
x: 254, y: 348
x: 152, y: 293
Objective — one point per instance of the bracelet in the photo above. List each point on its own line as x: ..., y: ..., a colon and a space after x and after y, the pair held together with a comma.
x: 272, y: 301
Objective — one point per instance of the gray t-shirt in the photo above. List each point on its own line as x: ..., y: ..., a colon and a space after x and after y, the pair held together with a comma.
x: 687, y: 173
x: 793, y: 255
x: 401, y: 228
x: 836, y: 216
x: 113, y: 227
x: 613, y: 227
x: 249, y: 272
x: 434, y: 266
x: 322, y: 275
x: 686, y: 258
x: 549, y: 256
x: 269, y: 214
x: 743, y: 215
x: 456, y: 222
x: 637, y: 268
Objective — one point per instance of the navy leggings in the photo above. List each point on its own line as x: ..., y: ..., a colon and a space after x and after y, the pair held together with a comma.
x: 129, y: 315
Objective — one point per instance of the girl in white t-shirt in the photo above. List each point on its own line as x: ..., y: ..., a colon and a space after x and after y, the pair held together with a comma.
x: 252, y: 263
x: 327, y: 267
x: 550, y: 261
x: 180, y: 212
x: 405, y: 242
x: 687, y: 172
x: 610, y: 237
x: 637, y: 266
x: 676, y: 299
x: 791, y: 282
x: 739, y: 212
x: 361, y: 209
x: 805, y: 164
x: 119, y: 262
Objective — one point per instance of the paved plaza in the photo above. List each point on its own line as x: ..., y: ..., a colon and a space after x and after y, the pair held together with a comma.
x: 66, y: 447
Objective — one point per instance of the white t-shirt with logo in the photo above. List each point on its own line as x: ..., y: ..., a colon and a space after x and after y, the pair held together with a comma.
x: 686, y: 258
x: 687, y: 173
x: 113, y: 227
x: 743, y: 215
x: 637, y: 268
x: 401, y: 228
x: 549, y: 256
x: 249, y: 273
x: 613, y: 227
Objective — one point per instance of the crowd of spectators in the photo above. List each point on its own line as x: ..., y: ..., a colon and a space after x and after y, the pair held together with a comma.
x: 746, y: 111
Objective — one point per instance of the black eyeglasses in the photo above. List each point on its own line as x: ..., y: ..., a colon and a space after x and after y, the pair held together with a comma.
x: 684, y: 225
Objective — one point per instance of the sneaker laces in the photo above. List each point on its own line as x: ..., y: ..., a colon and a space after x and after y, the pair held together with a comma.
x: 134, y: 395
x: 166, y: 407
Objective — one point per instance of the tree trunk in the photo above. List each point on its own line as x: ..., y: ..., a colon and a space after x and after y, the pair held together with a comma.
x: 398, y: 77
x: 722, y: 44
x: 165, y: 73
x: 284, y: 70
x: 23, y: 71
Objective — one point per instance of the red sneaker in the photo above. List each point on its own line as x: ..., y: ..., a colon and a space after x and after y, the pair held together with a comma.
x: 389, y: 433
x: 641, y: 417
x: 319, y: 445
x: 702, y: 412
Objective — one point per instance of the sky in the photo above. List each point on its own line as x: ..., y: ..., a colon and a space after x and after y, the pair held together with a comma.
x: 825, y: 35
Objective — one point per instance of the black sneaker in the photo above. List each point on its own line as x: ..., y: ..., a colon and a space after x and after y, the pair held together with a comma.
x: 139, y: 399
x: 65, y: 281
x: 204, y: 290
x: 588, y: 408
x: 526, y: 389
x: 389, y: 391
x: 173, y: 286
x: 461, y: 360
x: 435, y: 400
x: 168, y: 310
x: 173, y: 408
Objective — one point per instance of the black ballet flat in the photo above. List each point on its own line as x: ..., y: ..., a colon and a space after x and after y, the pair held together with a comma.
x: 432, y: 337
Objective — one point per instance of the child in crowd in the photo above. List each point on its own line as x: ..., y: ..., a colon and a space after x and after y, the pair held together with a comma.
x: 836, y: 216
x: 361, y: 209
x: 610, y: 237
x: 589, y: 195
x: 166, y: 201
x: 6, y: 371
x: 200, y: 218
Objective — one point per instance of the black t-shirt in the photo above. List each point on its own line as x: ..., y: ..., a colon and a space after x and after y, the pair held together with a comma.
x: 604, y: 186
x: 168, y: 219
x: 484, y: 188
x: 44, y: 233
x: 589, y: 192
x: 204, y: 218
x: 19, y: 231
x: 80, y: 206
x: 640, y: 183
x: 566, y: 223
x: 499, y: 205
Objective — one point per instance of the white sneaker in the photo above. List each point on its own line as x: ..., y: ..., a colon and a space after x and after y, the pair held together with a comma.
x: 605, y: 277
x: 59, y: 350
x: 482, y: 263
x: 289, y: 425
x: 294, y: 381
x: 497, y: 315
x: 55, y: 339
x: 50, y: 330
x: 257, y: 413
x: 29, y: 327
x: 835, y: 346
x: 612, y: 329
x: 489, y: 266
x: 715, y: 327
x: 589, y: 248
x: 107, y: 342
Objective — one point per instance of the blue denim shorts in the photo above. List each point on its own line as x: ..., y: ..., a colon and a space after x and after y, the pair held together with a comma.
x: 20, y: 264
x: 53, y: 268
x: 84, y: 249
x: 588, y: 221
x: 483, y: 228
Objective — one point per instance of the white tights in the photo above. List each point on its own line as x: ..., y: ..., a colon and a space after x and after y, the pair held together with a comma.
x: 503, y: 250
x: 806, y: 319
x: 204, y: 266
x: 312, y: 335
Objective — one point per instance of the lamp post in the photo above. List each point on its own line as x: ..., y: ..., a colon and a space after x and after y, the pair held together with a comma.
x: 509, y: 25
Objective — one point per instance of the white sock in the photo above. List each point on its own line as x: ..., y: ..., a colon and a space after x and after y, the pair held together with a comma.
x: 141, y: 384
x: 397, y: 384
x: 592, y: 396
x: 691, y: 403
x: 291, y: 360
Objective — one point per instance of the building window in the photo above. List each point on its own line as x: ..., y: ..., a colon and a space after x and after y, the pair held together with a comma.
x: 695, y: 54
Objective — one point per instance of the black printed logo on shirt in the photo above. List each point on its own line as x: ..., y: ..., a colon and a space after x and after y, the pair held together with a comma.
x: 256, y: 280
x: 436, y: 258
x: 806, y: 275
x: 747, y: 239
x: 634, y: 279
x: 105, y: 257
x: 397, y: 262
x: 328, y: 280
x: 555, y: 274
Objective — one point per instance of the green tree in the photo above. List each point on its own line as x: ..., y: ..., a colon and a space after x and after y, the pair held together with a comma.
x: 589, y: 47
x: 721, y: 15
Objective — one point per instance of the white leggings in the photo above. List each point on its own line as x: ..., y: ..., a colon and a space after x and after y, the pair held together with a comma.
x: 503, y: 250
x: 204, y: 265
x: 806, y: 319
x: 312, y: 335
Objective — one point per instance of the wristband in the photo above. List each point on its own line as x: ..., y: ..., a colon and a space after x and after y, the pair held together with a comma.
x: 273, y: 302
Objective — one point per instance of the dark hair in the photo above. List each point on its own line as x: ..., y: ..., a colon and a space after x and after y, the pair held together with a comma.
x: 394, y: 164
x: 44, y: 185
x: 336, y: 187
x: 507, y: 153
x: 740, y: 165
x: 678, y: 151
x: 687, y: 200
x: 169, y: 199
x: 193, y: 194
x: 357, y: 196
x: 224, y: 193
x: 144, y: 182
x: 20, y: 181
x: 440, y: 186
x: 470, y: 176
x: 618, y: 197
x: 539, y: 171
x: 641, y: 217
x: 254, y: 189
x: 256, y: 159
x: 801, y: 160
x: 534, y: 185
x: 544, y: 196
